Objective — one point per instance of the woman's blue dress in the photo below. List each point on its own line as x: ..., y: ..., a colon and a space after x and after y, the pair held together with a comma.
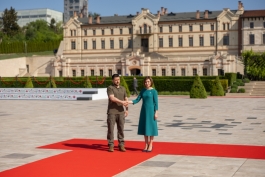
x: 147, y: 123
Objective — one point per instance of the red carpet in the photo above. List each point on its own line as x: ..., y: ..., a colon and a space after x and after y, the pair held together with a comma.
x: 90, y: 157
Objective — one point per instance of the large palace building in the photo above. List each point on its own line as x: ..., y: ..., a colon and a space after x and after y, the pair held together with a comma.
x: 161, y: 44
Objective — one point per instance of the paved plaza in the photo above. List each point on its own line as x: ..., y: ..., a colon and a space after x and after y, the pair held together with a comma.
x: 27, y: 124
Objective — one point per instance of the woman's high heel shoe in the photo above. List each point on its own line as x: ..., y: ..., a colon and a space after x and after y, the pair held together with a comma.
x: 150, y: 150
x: 145, y: 150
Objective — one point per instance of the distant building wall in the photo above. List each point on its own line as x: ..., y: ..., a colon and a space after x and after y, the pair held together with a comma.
x: 12, y: 67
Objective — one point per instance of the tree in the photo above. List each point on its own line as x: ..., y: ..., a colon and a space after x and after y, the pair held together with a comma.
x: 93, y: 14
x: 52, y: 24
x: 87, y: 83
x: 197, y: 89
x: 10, y: 26
x: 124, y: 84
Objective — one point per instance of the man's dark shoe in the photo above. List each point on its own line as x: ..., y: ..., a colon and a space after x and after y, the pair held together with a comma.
x: 111, y: 149
x: 122, y: 149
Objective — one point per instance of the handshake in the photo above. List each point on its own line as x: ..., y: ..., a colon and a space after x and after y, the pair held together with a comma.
x: 126, y: 103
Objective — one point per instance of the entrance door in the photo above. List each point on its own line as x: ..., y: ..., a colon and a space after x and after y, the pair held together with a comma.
x: 135, y: 72
x: 144, y: 45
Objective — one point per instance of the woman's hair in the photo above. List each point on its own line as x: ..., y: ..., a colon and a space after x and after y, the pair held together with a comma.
x: 151, y: 80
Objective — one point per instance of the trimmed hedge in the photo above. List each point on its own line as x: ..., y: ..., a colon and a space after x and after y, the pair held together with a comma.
x: 197, y: 89
x: 217, y: 89
x: 241, y: 90
x: 231, y: 78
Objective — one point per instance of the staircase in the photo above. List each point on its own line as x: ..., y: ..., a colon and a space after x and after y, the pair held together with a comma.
x: 53, y: 94
x: 258, y: 88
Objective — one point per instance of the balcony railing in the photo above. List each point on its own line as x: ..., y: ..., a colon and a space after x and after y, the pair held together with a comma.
x: 143, y: 32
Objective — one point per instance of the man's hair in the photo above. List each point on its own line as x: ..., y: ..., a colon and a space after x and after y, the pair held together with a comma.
x: 115, y: 75
x: 151, y: 80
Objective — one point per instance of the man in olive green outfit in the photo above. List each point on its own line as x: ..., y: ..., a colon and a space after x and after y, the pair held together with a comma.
x: 116, y: 114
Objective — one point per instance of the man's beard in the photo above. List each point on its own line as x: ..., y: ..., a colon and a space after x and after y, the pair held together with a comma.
x: 116, y: 84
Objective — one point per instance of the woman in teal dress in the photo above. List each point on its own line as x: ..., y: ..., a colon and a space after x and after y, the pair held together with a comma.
x: 149, y: 113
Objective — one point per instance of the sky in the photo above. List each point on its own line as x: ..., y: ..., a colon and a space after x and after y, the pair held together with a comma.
x: 126, y: 7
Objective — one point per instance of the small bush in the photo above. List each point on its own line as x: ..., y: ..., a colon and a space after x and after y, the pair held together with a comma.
x: 29, y: 83
x: 197, y: 89
x: 124, y: 84
x: 87, y: 83
x: 246, y: 80
x: 234, y: 86
x: 242, y: 84
x: 233, y: 90
x: 241, y: 90
x: 239, y: 80
x: 51, y: 84
x: 217, y: 89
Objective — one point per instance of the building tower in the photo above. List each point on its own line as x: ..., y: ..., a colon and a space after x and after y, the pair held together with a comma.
x: 72, y: 6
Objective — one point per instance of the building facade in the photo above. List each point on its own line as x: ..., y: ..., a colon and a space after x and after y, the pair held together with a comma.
x: 27, y: 16
x: 252, y: 23
x: 162, y: 44
x: 75, y: 6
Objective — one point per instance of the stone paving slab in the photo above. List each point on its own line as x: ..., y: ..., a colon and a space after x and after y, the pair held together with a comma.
x: 27, y: 124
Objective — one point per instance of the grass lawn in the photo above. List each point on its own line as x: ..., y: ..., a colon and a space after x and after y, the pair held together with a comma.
x: 18, y: 55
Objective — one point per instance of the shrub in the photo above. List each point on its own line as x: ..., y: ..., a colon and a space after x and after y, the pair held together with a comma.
x: 242, y: 84
x: 124, y: 84
x: 246, y: 80
x: 231, y: 78
x: 87, y: 83
x: 234, y: 86
x: 29, y: 83
x: 233, y: 90
x: 239, y: 80
x: 217, y: 88
x: 241, y: 90
x: 51, y: 84
x: 197, y: 89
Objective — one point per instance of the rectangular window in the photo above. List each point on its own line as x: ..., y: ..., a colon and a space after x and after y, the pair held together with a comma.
x: 121, y: 44
x: 170, y: 29
x: 74, y: 73
x: 94, y: 44
x: 226, y: 40
x: 110, y: 72
x: 194, y: 71
x: 190, y: 27
x: 170, y: 42
x: 130, y: 30
x: 153, y: 72
x: 101, y: 72
x: 102, y: 44
x: 94, y: 32
x: 223, y: 26
x: 160, y: 42
x: 85, y: 44
x: 201, y: 27
x: 111, y: 31
x: 228, y: 26
x: 73, y: 45
x: 190, y: 41
x: 180, y: 28
x: 92, y: 72
x: 150, y: 31
x: 112, y: 44
x: 60, y: 73
x: 82, y: 72
x: 141, y: 30
x: 183, y: 72
x: 119, y: 71
x: 251, y: 24
x: 180, y: 42
x: 161, y: 29
x: 74, y: 32
x: 201, y: 41
x: 102, y: 32
x: 85, y: 32
x: 204, y: 71
x: 251, y: 39
x: 120, y: 31
x: 173, y: 72
x: 263, y: 38
x: 163, y: 72
x: 212, y: 27
x: 129, y: 43
x: 212, y: 40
